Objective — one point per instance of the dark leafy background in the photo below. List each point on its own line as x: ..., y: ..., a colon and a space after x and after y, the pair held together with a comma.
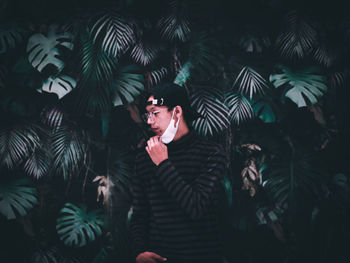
x: 270, y: 79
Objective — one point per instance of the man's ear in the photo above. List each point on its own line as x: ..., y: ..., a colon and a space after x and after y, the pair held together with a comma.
x: 178, y: 111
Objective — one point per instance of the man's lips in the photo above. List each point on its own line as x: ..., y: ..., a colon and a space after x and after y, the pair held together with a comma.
x: 155, y: 129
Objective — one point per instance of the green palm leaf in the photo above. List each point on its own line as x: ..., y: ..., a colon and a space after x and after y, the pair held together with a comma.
x: 175, y: 25
x: 239, y: 108
x: 16, y: 198
x: 94, y: 99
x: 76, y: 227
x: 337, y: 78
x: 16, y: 143
x: 121, y: 171
x: 325, y: 56
x: 38, y: 163
x: 291, y: 179
x: 250, y: 82
x: 60, y: 85
x: 158, y: 75
x: 298, y: 39
x: 184, y: 74
x: 52, y: 255
x: 144, y: 53
x: 214, y: 113
x: 49, y: 255
x: 52, y: 116
x: 10, y: 37
x: 71, y: 260
x: 204, y: 55
x: 254, y: 42
x: 43, y: 50
x: 102, y: 256
x: 97, y: 65
x: 127, y: 85
x: 300, y: 85
x: 116, y: 33
x: 68, y: 150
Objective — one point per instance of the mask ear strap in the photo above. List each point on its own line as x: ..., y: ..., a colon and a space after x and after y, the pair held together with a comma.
x: 177, y: 123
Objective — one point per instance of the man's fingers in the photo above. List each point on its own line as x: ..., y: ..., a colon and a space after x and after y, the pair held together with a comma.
x: 150, y: 143
x: 149, y: 257
x: 155, y: 140
x: 158, y: 257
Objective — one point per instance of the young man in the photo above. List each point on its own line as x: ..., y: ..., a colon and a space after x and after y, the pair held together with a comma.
x: 175, y: 186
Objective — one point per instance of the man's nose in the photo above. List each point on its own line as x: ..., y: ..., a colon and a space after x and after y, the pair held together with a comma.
x: 150, y: 120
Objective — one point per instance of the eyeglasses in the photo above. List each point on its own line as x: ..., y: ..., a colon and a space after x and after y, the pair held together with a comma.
x: 150, y: 115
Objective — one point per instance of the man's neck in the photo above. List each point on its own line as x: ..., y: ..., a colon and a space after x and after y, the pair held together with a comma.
x: 182, y: 131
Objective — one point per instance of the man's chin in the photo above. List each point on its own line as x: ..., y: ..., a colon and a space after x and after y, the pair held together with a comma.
x: 157, y: 132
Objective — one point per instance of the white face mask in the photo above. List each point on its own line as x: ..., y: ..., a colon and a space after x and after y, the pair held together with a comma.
x: 171, y: 130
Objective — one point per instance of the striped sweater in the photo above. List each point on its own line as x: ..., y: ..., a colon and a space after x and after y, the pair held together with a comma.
x: 174, y: 204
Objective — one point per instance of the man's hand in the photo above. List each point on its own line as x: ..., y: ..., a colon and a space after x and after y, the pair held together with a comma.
x: 149, y: 257
x: 157, y: 150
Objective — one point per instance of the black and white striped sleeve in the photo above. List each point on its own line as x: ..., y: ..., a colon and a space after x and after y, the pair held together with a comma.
x: 194, y: 198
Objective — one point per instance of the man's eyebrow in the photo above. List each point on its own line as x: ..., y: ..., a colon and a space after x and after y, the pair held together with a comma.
x: 152, y: 108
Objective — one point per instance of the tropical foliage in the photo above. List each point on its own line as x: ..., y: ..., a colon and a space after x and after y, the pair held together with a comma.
x: 17, y: 198
x: 267, y: 79
x: 77, y: 227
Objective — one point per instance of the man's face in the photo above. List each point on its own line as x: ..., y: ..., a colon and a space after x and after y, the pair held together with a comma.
x: 159, y: 117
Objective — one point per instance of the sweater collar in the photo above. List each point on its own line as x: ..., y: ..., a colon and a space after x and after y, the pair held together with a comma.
x: 183, y: 142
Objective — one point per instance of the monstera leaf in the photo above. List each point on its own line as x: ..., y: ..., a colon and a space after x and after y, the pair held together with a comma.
x: 239, y: 108
x: 43, y: 50
x: 214, y: 113
x: 16, y: 143
x: 116, y: 32
x: 184, y: 74
x: 263, y: 110
x: 250, y: 82
x: 10, y: 36
x: 301, y: 85
x: 175, y: 25
x: 298, y: 39
x: 16, y: 198
x: 60, y: 85
x: 76, y: 227
x: 127, y: 85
